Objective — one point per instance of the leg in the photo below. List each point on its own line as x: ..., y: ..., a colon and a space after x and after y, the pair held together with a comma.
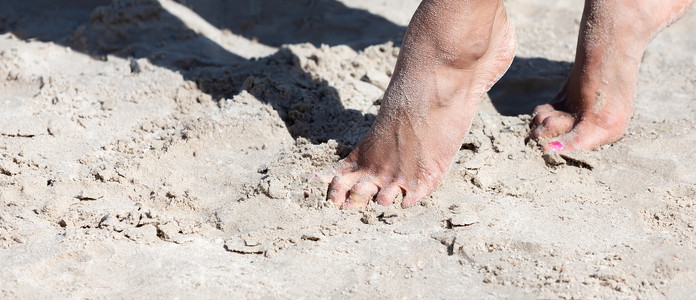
x: 453, y: 52
x: 596, y: 103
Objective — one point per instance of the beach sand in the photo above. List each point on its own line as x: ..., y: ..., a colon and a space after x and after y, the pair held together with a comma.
x: 161, y: 149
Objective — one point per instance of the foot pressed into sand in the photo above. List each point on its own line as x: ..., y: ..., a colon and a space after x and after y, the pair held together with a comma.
x: 453, y: 52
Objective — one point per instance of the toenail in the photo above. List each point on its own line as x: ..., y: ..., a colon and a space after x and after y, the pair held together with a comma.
x: 555, y: 146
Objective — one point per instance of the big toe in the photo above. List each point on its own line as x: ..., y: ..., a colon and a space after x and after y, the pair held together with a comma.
x: 584, y: 136
x: 340, y: 187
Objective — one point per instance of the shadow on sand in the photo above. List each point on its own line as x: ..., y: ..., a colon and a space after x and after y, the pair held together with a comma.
x: 144, y: 29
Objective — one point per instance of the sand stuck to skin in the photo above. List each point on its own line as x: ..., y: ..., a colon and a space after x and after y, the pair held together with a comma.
x: 166, y: 149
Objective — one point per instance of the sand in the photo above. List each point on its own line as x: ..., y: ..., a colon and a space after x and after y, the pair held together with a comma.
x: 165, y: 149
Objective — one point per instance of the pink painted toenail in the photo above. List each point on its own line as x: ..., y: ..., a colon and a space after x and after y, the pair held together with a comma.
x: 555, y: 146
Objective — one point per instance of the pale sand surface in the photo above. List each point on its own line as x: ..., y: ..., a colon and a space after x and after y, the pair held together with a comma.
x: 164, y: 149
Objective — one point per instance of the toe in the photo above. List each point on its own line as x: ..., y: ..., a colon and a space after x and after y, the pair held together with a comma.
x: 360, y: 195
x: 584, y: 136
x: 563, y: 144
x: 542, y: 108
x: 542, y: 115
x: 387, y: 195
x: 414, y: 197
x: 539, y: 117
x: 553, y: 125
x: 340, y: 187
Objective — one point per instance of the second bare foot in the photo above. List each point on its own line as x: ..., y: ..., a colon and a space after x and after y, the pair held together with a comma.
x: 596, y: 103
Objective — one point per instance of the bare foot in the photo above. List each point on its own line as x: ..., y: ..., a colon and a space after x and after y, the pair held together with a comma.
x: 596, y: 103
x: 453, y: 52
